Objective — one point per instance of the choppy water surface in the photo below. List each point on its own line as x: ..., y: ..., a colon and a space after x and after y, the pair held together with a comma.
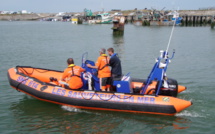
x: 49, y: 44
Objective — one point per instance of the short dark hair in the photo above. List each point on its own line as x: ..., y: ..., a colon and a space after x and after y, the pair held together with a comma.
x: 70, y: 61
x: 111, y: 49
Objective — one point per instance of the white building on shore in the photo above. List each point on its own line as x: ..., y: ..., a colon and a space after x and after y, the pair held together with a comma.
x: 23, y: 12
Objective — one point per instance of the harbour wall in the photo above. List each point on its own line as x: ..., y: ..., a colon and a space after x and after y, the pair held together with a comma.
x: 190, y: 17
x: 24, y: 17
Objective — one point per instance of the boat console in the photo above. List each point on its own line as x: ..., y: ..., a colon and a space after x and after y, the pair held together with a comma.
x: 157, y: 78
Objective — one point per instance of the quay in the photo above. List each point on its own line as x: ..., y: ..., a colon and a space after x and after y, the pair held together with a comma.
x: 137, y: 17
x: 195, y: 20
x: 164, y: 18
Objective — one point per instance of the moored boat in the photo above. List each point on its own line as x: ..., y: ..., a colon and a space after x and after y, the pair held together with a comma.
x: 103, y: 18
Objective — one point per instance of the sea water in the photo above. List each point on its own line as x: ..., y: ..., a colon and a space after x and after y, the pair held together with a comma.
x: 49, y: 44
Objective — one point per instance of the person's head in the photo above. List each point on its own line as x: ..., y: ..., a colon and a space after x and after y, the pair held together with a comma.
x: 110, y: 51
x: 70, y: 61
x: 102, y: 51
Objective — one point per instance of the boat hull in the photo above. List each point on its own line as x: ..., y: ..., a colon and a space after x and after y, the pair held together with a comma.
x: 95, y: 100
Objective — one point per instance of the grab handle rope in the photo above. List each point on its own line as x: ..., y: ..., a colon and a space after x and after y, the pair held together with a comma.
x: 104, y: 99
x: 17, y: 87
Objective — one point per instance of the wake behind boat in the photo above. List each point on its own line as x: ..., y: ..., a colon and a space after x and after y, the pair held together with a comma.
x: 155, y: 95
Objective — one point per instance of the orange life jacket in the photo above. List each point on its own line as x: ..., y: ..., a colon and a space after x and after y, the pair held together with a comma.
x: 103, y: 68
x: 73, y: 73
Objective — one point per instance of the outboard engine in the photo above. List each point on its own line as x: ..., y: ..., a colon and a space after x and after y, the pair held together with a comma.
x: 167, y: 87
x: 171, y: 90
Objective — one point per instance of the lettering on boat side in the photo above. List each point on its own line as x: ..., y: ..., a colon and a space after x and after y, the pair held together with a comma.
x: 101, y: 96
x: 59, y: 91
x: 22, y: 79
x: 146, y: 99
x: 27, y: 82
x: 92, y: 95
x: 33, y: 84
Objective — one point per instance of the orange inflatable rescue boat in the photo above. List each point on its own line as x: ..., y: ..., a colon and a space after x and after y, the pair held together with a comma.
x: 155, y: 95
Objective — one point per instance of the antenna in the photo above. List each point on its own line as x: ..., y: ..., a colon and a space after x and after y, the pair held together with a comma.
x: 102, y: 6
x: 170, y: 38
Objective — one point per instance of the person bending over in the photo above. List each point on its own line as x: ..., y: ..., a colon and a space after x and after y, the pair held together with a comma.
x: 72, y: 75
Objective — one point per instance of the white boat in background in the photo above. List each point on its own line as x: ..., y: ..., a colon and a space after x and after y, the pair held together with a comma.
x: 168, y: 19
x: 175, y: 17
x: 104, y: 18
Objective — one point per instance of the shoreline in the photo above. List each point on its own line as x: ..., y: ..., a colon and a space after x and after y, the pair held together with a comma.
x: 39, y: 16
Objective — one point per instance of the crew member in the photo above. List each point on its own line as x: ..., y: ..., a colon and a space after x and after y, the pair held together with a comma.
x: 115, y: 63
x: 104, y: 74
x: 72, y: 75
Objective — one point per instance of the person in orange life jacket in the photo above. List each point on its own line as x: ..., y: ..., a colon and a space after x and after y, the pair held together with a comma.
x: 104, y: 73
x: 72, y: 73
x: 115, y: 63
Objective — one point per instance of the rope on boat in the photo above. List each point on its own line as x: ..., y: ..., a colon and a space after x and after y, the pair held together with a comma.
x: 97, y: 95
x: 123, y: 98
x: 41, y: 71
x: 33, y: 69
x: 26, y: 71
x: 89, y: 98
x: 17, y: 87
x: 104, y: 99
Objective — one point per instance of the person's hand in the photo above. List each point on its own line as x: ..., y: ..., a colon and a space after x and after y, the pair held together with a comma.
x: 88, y: 65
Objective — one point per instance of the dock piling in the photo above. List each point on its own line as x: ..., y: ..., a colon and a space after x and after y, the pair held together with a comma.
x: 118, y: 25
x: 212, y: 22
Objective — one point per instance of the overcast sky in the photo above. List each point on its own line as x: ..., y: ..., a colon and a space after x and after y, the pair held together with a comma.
x: 49, y: 6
